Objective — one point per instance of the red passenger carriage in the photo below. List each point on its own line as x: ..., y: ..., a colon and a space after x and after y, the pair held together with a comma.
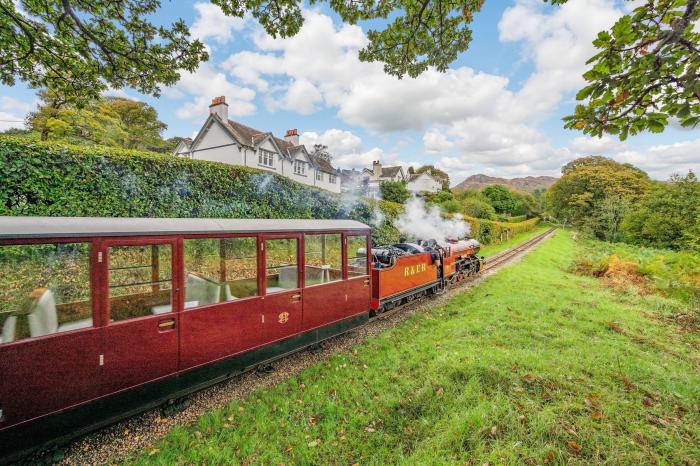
x: 102, y: 318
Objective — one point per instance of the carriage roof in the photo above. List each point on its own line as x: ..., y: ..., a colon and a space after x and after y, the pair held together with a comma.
x: 56, y: 227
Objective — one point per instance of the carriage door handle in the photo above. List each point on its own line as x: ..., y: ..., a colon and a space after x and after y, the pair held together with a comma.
x: 166, y: 324
x: 366, y: 282
x: 296, y: 297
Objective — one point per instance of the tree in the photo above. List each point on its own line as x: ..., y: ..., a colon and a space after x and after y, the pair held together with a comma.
x: 647, y: 71
x: 411, y: 170
x: 595, y: 196
x: 321, y: 151
x: 668, y: 215
x: 474, y: 207
x: 111, y: 121
x: 79, y: 49
x: 501, y: 198
x: 394, y: 191
x: 436, y: 173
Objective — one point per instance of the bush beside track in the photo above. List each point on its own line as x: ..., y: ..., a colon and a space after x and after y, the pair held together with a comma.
x: 59, y: 179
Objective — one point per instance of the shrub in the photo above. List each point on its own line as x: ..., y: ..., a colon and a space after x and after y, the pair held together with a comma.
x: 474, y: 207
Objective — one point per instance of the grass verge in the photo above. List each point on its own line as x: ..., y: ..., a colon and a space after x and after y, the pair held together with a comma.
x: 534, y: 366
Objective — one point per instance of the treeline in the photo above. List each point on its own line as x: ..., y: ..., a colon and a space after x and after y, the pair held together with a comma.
x: 619, y: 202
x: 495, y: 202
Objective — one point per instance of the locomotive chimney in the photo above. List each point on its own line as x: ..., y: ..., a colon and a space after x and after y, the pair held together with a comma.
x: 377, y: 168
x: 219, y: 107
x: 292, y: 135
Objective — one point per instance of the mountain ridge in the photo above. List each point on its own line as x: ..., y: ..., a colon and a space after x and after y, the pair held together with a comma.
x: 527, y: 183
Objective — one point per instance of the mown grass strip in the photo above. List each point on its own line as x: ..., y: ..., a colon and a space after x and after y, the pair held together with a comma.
x: 534, y: 366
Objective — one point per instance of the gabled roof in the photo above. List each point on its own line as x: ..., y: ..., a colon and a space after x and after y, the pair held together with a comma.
x: 252, y: 137
x: 323, y: 164
x: 390, y: 172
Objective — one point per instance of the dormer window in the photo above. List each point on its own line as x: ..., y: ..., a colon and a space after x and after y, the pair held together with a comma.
x: 266, y: 158
x: 299, y: 167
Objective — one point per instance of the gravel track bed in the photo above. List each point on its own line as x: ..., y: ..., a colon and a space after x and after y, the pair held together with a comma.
x: 113, y: 444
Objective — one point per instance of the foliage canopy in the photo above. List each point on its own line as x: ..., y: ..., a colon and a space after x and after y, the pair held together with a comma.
x: 596, y: 195
x: 111, y: 121
x: 645, y: 72
x: 668, y: 216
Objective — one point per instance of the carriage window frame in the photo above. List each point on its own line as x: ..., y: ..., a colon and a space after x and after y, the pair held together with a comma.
x: 342, y: 277
x: 174, y: 274
x: 346, y: 260
x: 258, y: 258
x: 91, y: 284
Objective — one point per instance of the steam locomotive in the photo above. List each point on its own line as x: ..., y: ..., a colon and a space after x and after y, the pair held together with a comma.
x: 405, y: 271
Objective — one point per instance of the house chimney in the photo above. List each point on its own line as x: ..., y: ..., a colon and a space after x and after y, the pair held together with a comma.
x: 377, y: 168
x: 292, y: 136
x: 219, y: 107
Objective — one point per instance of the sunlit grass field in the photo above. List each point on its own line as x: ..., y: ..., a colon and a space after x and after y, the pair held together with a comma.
x: 535, y: 366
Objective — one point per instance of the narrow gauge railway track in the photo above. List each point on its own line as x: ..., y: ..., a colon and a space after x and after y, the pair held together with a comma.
x: 118, y: 441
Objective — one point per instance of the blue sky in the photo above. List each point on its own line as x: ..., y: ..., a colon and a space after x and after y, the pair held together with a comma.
x: 497, y: 110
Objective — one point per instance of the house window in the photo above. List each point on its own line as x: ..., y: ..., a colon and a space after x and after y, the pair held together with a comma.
x: 299, y: 167
x: 266, y: 158
x: 319, y: 176
x: 331, y: 179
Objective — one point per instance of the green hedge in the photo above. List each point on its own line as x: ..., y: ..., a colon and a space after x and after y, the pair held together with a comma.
x: 56, y: 179
x: 491, y: 232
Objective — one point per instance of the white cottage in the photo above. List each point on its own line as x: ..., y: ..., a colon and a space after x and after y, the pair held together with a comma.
x: 373, y: 178
x: 227, y: 141
x: 423, y: 183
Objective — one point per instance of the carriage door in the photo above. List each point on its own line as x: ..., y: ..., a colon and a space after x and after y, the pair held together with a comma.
x: 141, y: 336
x: 283, y: 300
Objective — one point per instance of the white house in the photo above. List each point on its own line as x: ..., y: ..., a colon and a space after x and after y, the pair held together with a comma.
x: 378, y: 175
x: 227, y: 141
x: 423, y: 183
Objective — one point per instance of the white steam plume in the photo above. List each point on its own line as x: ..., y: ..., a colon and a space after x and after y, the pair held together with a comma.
x: 420, y: 221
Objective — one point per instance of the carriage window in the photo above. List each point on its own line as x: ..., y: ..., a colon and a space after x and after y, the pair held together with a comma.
x: 323, y: 259
x: 357, y: 256
x: 281, y: 265
x: 218, y: 270
x: 140, y: 281
x: 44, y: 289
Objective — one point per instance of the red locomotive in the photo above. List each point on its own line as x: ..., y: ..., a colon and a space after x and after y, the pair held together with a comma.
x: 406, y: 271
x: 101, y: 318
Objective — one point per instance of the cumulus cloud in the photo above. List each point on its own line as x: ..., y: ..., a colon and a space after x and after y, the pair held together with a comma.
x: 347, y: 149
x: 12, y: 112
x: 199, y: 87
x: 212, y: 23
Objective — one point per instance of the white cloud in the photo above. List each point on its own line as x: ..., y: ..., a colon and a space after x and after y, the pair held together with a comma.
x: 13, y: 111
x: 204, y: 84
x: 213, y: 23
x: 9, y: 104
x: 347, y: 149
x: 596, y: 146
x: 558, y: 43
x: 301, y: 97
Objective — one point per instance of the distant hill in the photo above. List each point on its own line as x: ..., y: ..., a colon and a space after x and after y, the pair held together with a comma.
x: 528, y: 183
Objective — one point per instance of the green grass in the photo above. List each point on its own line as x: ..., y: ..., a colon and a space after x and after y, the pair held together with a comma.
x: 491, y: 249
x: 534, y: 366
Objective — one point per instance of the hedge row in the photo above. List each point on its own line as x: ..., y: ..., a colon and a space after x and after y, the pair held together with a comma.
x: 57, y: 179
x: 491, y: 232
